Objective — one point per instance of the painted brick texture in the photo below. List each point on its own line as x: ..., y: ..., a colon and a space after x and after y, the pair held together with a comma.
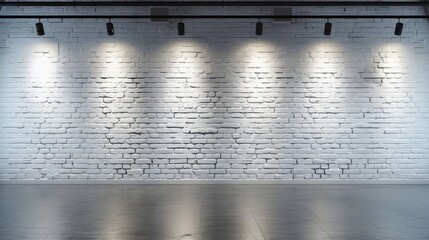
x: 217, y: 103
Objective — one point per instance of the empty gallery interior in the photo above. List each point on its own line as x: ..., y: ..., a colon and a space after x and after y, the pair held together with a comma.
x: 214, y: 120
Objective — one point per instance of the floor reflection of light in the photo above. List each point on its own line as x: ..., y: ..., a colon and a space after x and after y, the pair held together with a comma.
x: 178, y: 218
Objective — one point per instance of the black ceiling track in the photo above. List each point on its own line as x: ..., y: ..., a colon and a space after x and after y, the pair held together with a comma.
x: 217, y: 3
x: 219, y: 16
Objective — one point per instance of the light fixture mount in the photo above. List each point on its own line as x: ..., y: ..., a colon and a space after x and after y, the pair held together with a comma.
x: 181, y: 28
x: 399, y: 27
x: 40, y: 29
x: 328, y: 28
x: 259, y: 28
x: 110, y: 29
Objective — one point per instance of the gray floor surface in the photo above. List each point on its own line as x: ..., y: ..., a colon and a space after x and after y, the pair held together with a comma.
x: 214, y: 212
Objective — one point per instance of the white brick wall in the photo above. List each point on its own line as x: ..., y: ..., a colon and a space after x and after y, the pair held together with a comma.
x: 217, y: 103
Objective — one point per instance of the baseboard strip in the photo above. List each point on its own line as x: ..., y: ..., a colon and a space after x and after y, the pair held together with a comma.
x: 217, y: 181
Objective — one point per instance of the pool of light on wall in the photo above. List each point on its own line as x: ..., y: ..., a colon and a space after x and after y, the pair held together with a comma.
x: 42, y: 69
x: 258, y: 63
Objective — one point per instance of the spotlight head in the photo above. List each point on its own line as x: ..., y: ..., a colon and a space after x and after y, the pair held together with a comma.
x: 39, y: 28
x: 110, y: 29
x: 328, y: 29
x: 181, y: 28
x: 398, y: 29
x: 259, y: 27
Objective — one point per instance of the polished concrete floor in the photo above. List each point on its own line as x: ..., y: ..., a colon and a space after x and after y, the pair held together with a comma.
x: 214, y: 212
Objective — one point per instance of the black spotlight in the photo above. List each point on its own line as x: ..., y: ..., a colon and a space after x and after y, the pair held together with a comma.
x: 39, y: 28
x: 181, y: 28
x: 110, y: 29
x: 259, y: 27
x: 398, y: 28
x: 328, y: 29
